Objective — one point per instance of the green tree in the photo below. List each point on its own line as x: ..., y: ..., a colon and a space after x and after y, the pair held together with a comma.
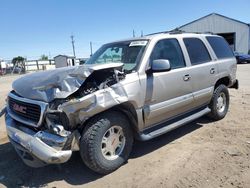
x: 19, y: 61
x: 44, y: 57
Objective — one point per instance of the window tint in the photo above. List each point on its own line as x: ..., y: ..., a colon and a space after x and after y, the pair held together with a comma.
x: 169, y: 49
x: 220, y: 47
x: 197, y: 51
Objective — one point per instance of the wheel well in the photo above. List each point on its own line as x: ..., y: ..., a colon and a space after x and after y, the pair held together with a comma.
x: 225, y: 81
x: 129, y: 111
x: 125, y: 108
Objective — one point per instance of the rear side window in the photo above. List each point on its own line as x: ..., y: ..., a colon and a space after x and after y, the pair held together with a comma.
x: 169, y: 49
x: 197, y: 51
x: 220, y: 47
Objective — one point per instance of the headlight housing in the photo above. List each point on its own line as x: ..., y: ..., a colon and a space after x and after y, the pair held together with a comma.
x: 58, y: 118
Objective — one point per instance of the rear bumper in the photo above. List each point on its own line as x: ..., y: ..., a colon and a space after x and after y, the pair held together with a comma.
x: 36, y: 148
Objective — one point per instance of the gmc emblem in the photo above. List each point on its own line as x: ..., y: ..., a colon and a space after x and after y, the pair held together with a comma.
x: 19, y: 108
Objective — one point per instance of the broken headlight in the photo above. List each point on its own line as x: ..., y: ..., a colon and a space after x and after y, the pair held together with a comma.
x: 58, y: 118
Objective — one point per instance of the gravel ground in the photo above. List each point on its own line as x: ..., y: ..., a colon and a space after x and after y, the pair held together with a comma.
x: 200, y: 154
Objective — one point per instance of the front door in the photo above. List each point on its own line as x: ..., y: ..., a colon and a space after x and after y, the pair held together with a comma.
x: 168, y: 94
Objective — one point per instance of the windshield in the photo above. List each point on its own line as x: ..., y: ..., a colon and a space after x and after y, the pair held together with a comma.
x: 129, y: 53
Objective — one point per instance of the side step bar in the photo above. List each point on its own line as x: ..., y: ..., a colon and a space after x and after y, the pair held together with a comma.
x: 172, y: 126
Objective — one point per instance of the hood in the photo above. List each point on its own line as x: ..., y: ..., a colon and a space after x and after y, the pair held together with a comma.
x: 58, y: 83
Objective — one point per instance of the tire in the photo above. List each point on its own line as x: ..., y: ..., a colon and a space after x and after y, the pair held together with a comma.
x: 101, y: 135
x: 219, y: 103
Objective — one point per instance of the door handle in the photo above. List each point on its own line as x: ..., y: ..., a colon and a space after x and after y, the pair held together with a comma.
x: 212, y: 70
x: 186, y: 77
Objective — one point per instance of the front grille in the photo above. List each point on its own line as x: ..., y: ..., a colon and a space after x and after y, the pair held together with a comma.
x: 25, y: 110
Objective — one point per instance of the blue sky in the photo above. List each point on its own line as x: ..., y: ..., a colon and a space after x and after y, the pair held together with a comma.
x: 33, y: 27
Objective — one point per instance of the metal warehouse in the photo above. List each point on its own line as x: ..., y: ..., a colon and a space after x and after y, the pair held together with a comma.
x: 236, y: 33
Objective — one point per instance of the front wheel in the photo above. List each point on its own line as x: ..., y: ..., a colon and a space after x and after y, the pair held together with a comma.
x: 219, y: 103
x: 106, y: 142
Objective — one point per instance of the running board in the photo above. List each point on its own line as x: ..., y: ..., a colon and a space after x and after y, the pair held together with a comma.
x: 172, y: 126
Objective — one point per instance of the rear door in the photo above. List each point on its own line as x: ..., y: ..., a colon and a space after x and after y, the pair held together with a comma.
x: 168, y: 94
x: 203, y: 70
x: 225, y: 58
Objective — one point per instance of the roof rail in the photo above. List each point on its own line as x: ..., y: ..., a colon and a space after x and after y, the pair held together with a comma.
x: 179, y: 31
x: 161, y: 32
x: 209, y: 32
x: 174, y: 31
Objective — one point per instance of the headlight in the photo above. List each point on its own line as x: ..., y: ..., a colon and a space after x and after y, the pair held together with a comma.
x: 58, y: 118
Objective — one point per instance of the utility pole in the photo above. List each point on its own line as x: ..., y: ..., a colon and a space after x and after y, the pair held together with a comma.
x: 133, y: 33
x: 91, y: 52
x: 73, y: 45
x: 141, y: 33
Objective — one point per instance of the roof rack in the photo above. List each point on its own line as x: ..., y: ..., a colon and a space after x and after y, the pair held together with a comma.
x: 174, y: 31
x: 157, y: 33
x: 178, y: 31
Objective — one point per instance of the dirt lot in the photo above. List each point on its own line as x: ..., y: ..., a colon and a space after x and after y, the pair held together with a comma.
x: 200, y: 154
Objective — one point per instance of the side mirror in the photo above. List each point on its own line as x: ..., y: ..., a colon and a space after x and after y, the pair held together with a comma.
x: 160, y: 65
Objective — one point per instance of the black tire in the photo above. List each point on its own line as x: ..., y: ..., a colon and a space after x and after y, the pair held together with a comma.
x: 215, y: 113
x: 91, y: 142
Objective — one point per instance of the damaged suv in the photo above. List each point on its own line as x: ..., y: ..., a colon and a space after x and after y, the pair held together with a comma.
x: 133, y: 89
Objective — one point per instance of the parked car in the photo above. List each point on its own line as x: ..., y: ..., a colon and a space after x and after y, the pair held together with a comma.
x: 131, y: 89
x: 242, y: 58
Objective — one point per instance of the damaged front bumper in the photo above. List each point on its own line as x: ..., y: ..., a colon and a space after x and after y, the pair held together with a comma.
x: 37, y: 148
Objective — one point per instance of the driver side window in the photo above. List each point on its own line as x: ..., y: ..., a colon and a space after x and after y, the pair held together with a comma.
x: 169, y: 49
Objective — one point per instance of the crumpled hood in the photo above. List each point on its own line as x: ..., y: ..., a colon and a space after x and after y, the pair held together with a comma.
x: 58, y: 83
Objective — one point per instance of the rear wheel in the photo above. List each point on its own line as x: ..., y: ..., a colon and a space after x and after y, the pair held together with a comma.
x: 219, y: 103
x: 106, y: 142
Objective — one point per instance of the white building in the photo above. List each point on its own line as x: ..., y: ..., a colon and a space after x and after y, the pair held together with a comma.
x: 236, y: 33
x: 3, y: 64
x: 3, y: 67
x: 64, y: 61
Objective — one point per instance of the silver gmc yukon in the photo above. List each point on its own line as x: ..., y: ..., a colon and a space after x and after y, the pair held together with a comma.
x: 131, y: 89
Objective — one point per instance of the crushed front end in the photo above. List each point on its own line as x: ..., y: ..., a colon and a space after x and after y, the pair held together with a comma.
x: 44, y: 122
x: 35, y: 142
